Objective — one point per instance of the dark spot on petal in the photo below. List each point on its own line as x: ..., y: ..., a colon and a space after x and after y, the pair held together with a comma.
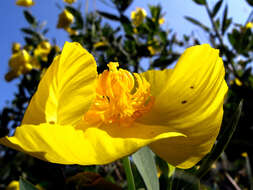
x: 192, y: 87
x: 51, y: 122
x: 183, y: 102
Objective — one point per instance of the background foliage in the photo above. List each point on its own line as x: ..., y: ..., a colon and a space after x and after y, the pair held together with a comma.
x: 131, y: 44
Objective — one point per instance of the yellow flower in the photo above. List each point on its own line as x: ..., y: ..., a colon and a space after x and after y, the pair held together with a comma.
x: 16, y: 47
x: 65, y: 19
x: 42, y: 50
x: 138, y: 16
x: 249, y: 25
x: 69, y: 1
x: 161, y: 20
x: 79, y: 117
x: 25, y: 3
x: 13, y: 185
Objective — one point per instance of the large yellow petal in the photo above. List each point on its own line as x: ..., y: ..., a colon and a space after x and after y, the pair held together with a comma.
x: 84, y: 145
x: 66, y: 90
x: 188, y: 99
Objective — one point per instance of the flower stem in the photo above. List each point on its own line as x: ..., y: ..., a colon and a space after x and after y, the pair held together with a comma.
x: 129, y: 174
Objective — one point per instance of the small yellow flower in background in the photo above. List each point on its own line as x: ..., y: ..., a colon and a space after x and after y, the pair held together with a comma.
x: 19, y: 63
x: 13, y: 185
x: 100, y: 44
x: 16, y: 47
x: 161, y: 21
x: 42, y: 50
x: 65, y: 19
x: 79, y: 117
x: 138, y: 16
x: 69, y: 1
x: 152, y: 50
x: 249, y: 25
x: 25, y: 3
x: 244, y: 154
x: 236, y: 81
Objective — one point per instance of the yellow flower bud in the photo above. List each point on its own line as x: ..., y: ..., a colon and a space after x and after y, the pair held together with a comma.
x: 99, y: 44
x: 25, y: 3
x: 65, y: 19
x: 138, y: 16
x: 18, y: 59
x: 152, y: 50
x: 71, y: 31
x: 69, y: 1
x: 42, y: 50
x: 161, y: 21
x: 244, y: 154
x: 16, y: 47
x: 13, y: 185
x: 249, y: 25
x: 238, y: 82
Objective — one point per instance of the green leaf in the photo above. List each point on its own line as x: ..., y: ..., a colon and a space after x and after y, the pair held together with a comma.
x: 200, y: 2
x: 250, y: 2
x: 127, y: 25
x: 122, y: 5
x: 216, y: 8
x: 196, y: 22
x: 222, y: 142
x: 28, y: 16
x: 145, y: 163
x: 108, y: 15
x: 224, y: 20
x: 32, y: 33
x: 26, y: 185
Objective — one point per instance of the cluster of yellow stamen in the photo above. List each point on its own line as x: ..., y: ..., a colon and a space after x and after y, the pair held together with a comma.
x: 121, y: 97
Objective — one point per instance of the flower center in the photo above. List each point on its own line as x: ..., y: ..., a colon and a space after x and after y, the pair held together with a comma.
x: 121, y: 97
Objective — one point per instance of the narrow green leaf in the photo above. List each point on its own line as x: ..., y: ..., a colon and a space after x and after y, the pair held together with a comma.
x: 222, y: 143
x: 26, y: 185
x: 196, y: 22
x: 200, y: 2
x: 108, y: 15
x: 129, y: 173
x: 249, y: 172
x: 28, y: 16
x: 122, y: 5
x: 32, y: 33
x: 145, y: 163
x: 216, y: 8
x: 224, y: 20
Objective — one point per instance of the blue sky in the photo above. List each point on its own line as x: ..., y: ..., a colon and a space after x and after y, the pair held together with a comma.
x: 46, y: 10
